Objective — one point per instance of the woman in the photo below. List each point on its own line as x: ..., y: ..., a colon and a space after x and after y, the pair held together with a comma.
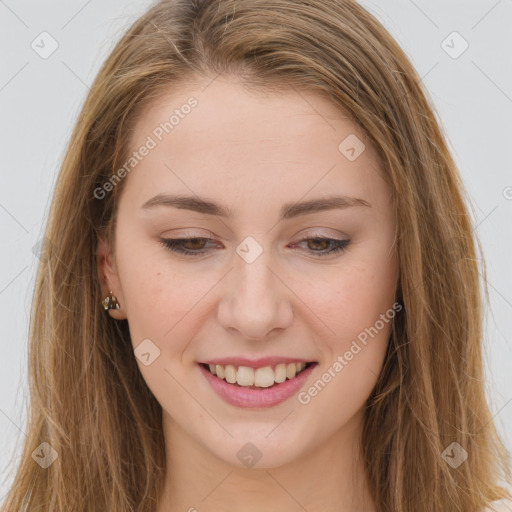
x: 259, y: 289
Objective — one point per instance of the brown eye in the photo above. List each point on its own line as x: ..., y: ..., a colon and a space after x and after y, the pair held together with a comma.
x: 323, y: 246
x: 188, y: 246
x: 319, y: 246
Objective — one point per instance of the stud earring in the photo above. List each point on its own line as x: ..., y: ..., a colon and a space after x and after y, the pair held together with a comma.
x: 110, y: 301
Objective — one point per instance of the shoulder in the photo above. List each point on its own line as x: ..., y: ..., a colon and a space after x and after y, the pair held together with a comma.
x: 500, y: 506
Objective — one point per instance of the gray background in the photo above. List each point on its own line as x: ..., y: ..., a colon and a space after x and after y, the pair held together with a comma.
x: 40, y: 99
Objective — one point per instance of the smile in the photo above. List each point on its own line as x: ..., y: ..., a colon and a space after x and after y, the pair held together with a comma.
x: 266, y: 386
x: 254, y: 378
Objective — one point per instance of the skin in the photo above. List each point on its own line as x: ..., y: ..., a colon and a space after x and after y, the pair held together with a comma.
x: 254, y: 152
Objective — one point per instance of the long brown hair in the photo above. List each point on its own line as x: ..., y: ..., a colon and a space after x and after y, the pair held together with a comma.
x: 89, y: 401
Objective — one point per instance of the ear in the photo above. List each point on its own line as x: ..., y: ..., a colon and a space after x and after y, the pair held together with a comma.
x: 109, y: 278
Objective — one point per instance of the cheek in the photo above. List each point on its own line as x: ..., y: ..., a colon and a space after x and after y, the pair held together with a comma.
x: 154, y: 293
x: 358, y: 310
x: 351, y: 301
x: 160, y: 308
x: 160, y: 303
x: 353, y: 314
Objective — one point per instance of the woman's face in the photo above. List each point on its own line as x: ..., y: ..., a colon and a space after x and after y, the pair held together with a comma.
x: 245, y: 174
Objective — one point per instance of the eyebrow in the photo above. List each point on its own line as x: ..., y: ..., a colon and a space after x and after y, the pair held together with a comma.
x: 288, y: 211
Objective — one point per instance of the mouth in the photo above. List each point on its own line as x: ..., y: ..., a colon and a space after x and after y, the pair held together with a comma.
x: 257, y: 378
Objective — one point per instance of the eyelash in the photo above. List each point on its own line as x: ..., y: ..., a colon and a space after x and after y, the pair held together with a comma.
x: 172, y: 244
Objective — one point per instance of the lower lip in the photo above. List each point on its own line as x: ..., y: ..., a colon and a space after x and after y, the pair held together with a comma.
x: 265, y: 397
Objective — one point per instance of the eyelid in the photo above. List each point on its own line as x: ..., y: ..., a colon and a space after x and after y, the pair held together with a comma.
x: 305, y: 234
x: 340, y: 246
x: 321, y: 232
x: 189, y: 233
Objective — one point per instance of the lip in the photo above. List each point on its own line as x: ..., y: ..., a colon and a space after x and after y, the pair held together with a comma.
x: 261, y: 398
x: 255, y: 363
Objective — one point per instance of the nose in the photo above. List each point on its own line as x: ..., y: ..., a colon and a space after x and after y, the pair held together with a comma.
x: 256, y: 303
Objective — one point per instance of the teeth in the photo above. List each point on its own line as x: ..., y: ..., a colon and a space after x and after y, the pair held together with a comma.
x: 230, y: 374
x: 245, y: 376
x: 291, y: 370
x: 280, y: 373
x: 264, y: 377
x: 261, y: 377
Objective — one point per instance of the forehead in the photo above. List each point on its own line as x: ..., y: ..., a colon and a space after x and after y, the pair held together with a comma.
x: 219, y: 135
x: 229, y: 112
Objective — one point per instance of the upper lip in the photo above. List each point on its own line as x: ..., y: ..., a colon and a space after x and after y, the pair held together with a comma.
x: 256, y: 363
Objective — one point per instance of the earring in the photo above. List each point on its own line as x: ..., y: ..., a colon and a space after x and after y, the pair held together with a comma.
x: 110, y: 301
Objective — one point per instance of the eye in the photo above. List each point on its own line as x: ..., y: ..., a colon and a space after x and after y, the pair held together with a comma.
x: 322, y: 246
x: 325, y: 246
x: 196, y: 245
